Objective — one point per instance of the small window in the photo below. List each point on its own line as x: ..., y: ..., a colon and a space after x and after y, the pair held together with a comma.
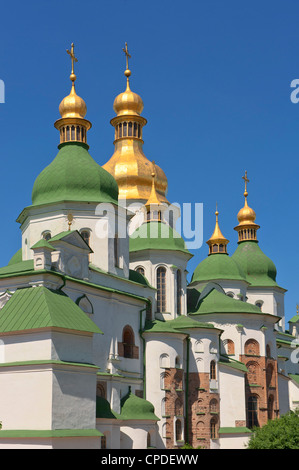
x: 212, y: 370
x: 140, y: 270
x: 73, y: 133
x: 125, y: 129
x: 85, y: 234
x: 161, y: 289
x: 116, y: 258
x: 46, y: 235
x: 259, y: 304
x: 213, y: 429
x: 130, y: 127
x: 178, y: 430
x: 179, y: 291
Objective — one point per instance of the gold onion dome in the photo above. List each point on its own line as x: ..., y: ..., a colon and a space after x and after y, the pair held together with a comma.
x: 217, y: 242
x: 72, y: 106
x: 128, y: 164
x: 128, y: 102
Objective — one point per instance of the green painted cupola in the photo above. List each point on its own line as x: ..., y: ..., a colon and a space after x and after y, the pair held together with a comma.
x: 258, y: 268
x: 73, y: 175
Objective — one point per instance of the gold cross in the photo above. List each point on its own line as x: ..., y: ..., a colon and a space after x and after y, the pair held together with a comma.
x: 127, y: 55
x: 72, y: 55
x: 246, y: 180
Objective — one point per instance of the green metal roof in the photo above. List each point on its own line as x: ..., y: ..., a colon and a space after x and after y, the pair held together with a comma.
x: 157, y: 236
x: 39, y: 307
x: 43, y: 244
x: 295, y: 377
x: 230, y: 362
x: 133, y: 407
x: 73, y: 175
x: 31, y: 433
x: 218, y: 266
x: 236, y: 430
x: 217, y: 302
x: 294, y: 319
x: 103, y: 409
x: 258, y: 268
x: 16, y: 258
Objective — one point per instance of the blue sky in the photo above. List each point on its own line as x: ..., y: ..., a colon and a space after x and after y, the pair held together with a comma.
x: 215, y: 80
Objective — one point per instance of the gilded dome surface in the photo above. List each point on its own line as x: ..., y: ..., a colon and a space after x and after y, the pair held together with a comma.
x: 72, y: 106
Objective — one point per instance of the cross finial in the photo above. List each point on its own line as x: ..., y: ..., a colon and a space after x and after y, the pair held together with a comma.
x: 74, y: 59
x: 246, y: 181
x: 127, y: 55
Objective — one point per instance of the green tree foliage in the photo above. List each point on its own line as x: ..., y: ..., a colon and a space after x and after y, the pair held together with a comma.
x: 280, y: 433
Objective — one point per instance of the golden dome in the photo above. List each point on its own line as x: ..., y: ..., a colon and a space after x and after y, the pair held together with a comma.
x: 246, y: 215
x: 128, y: 102
x: 128, y: 165
x: 72, y: 106
x: 217, y: 241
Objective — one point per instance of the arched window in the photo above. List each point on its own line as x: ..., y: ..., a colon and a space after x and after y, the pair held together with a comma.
x: 128, y: 341
x: 67, y: 133
x: 252, y: 347
x: 230, y: 294
x: 103, y: 442
x: 270, y: 406
x: 177, y: 362
x: 125, y: 129
x: 252, y: 411
x: 178, y: 407
x: 178, y: 430
x: 229, y: 347
x: 120, y: 134
x: 73, y: 133
x: 253, y: 372
x: 116, y: 259
x: 164, y: 360
x: 212, y: 370
x: 200, y: 429
x: 161, y: 289
x: 101, y: 391
x: 127, y: 347
x: 163, y: 406
x: 165, y: 430
x: 259, y: 304
x: 85, y: 234
x: 268, y: 351
x: 130, y: 127
x: 46, y: 235
x: 179, y: 291
x: 269, y: 375
x: 213, y: 428
x: 140, y: 270
x: 213, y: 405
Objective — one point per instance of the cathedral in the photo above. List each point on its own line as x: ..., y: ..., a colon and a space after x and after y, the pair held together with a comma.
x: 104, y: 344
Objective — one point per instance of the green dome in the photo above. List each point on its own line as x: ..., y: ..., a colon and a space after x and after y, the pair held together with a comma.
x: 133, y: 407
x: 74, y: 176
x: 218, y: 266
x: 258, y: 268
x: 16, y: 258
x: 157, y: 236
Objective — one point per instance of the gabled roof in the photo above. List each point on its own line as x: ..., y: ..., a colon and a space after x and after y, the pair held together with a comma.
x: 73, y: 237
x: 39, y: 307
x: 217, y: 302
x: 176, y: 326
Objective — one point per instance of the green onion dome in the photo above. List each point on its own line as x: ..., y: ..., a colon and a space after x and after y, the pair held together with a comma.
x: 133, y: 407
x: 74, y: 176
x: 258, y: 268
x: 216, y: 267
x: 157, y: 235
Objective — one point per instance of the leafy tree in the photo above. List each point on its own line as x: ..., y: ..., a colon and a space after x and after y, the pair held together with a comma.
x: 279, y: 433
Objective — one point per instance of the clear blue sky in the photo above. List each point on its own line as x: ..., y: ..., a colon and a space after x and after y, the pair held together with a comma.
x: 215, y: 80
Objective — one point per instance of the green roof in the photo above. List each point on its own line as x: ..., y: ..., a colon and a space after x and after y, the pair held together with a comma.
x: 236, y: 430
x: 103, y: 409
x: 43, y: 244
x: 133, y: 407
x: 230, y: 362
x: 29, y: 433
x: 218, y: 302
x: 73, y: 175
x: 182, y: 322
x: 157, y: 236
x: 295, y: 319
x: 218, y: 266
x: 258, y: 268
x: 21, y: 267
x: 16, y: 258
x: 39, y: 307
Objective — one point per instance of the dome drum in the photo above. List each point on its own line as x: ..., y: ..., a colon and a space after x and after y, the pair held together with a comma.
x: 72, y: 129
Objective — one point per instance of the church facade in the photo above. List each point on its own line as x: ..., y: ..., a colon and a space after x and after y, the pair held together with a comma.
x: 104, y: 344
